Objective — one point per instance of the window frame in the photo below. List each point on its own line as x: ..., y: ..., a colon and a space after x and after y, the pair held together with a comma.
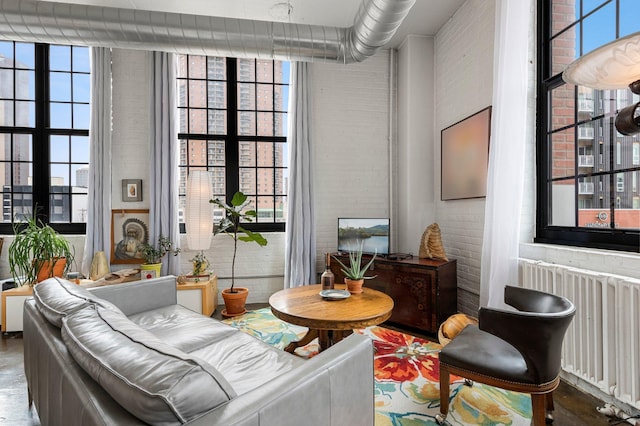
x: 601, y: 238
x: 40, y: 145
x: 232, y: 140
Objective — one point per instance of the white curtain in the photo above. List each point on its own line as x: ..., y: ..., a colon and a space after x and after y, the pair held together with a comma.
x: 99, y: 189
x: 164, y: 173
x: 300, y: 257
x: 505, y: 179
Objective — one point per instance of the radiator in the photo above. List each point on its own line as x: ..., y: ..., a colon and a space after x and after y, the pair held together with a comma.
x: 602, y: 344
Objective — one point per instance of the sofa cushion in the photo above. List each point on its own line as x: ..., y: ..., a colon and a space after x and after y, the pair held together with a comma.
x: 152, y: 380
x: 56, y: 297
x: 247, y: 362
x: 183, y: 328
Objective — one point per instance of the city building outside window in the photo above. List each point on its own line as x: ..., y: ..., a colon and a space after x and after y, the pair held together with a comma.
x: 233, y: 123
x: 44, y: 134
x: 583, y: 162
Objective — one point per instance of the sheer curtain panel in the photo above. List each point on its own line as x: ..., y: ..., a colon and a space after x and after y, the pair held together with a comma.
x: 98, y: 236
x: 164, y: 175
x: 300, y: 257
x: 505, y: 180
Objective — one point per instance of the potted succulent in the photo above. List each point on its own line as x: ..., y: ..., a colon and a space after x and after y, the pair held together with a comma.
x: 230, y: 224
x: 354, y: 273
x: 153, y: 255
x: 38, y: 252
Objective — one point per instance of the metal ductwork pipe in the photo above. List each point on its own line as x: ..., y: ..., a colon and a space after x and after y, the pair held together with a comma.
x: 39, y: 21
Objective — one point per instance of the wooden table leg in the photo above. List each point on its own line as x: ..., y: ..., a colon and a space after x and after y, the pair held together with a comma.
x: 338, y: 335
x: 311, y: 334
x: 326, y: 338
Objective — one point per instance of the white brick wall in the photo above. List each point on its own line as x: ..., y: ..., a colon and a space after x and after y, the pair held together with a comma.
x: 131, y: 121
x: 350, y: 126
x: 464, y: 84
x: 414, y: 184
x: 260, y: 269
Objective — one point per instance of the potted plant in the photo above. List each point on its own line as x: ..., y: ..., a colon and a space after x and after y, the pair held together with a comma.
x: 234, y: 214
x: 38, y: 252
x: 153, y: 255
x: 354, y: 273
x: 200, y: 264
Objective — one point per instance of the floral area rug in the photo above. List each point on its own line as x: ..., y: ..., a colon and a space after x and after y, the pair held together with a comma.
x: 407, y: 378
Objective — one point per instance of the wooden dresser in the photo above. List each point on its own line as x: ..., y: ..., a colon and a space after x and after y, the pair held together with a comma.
x: 424, y: 291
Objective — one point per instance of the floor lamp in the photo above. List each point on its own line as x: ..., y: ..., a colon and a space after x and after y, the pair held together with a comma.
x: 199, y: 218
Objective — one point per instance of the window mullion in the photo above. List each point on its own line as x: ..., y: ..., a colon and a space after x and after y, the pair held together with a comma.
x: 40, y: 148
x: 612, y: 176
x: 232, y: 147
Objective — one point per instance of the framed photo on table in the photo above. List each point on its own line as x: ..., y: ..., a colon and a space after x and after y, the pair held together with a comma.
x: 129, y: 230
x: 131, y: 189
x: 465, y: 157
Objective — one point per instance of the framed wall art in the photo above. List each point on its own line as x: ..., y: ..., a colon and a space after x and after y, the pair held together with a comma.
x: 129, y: 230
x: 465, y: 157
x: 131, y: 189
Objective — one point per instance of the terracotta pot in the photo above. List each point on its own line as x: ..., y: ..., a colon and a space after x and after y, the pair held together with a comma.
x: 354, y: 286
x: 47, y: 272
x: 234, y: 302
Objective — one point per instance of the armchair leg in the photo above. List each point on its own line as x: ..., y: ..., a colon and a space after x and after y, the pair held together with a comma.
x: 550, y: 407
x: 444, y: 394
x: 538, y: 403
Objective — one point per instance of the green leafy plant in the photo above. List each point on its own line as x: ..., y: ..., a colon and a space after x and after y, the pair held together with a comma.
x: 200, y: 264
x: 34, y: 245
x: 234, y: 214
x: 355, y: 270
x: 154, y: 254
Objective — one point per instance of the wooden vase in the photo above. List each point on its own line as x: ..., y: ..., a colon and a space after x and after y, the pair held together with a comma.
x: 234, y: 302
x: 99, y: 266
x: 354, y: 286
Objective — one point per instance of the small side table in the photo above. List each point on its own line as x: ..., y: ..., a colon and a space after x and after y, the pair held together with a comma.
x: 12, y: 302
x: 200, y: 296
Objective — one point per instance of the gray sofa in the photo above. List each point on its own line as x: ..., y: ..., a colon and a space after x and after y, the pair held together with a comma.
x: 128, y: 355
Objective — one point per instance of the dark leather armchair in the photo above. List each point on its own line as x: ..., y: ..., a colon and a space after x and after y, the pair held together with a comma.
x: 515, y: 350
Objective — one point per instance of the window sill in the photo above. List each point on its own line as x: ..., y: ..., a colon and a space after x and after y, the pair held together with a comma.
x: 604, y: 261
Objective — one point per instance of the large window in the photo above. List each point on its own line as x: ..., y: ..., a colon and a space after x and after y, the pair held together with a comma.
x: 586, y: 169
x: 44, y: 134
x: 233, y: 123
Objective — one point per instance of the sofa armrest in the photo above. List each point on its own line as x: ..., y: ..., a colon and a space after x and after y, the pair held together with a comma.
x: 333, y: 388
x: 140, y: 296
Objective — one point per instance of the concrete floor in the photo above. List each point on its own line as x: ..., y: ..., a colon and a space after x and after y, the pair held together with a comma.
x: 573, y: 408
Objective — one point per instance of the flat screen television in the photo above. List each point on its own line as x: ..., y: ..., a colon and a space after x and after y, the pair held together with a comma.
x: 372, y: 233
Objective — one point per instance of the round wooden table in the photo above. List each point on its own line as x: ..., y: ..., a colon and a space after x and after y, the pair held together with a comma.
x: 329, y: 320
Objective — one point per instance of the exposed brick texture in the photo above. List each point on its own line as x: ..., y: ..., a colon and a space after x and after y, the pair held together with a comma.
x: 464, y: 84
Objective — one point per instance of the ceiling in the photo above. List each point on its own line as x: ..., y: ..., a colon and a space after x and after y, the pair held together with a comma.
x: 425, y: 18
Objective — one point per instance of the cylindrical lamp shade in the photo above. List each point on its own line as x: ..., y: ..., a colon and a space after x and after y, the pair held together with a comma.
x: 198, y: 211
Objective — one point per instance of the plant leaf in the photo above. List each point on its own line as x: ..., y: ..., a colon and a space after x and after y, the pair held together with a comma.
x: 252, y: 236
x: 238, y: 199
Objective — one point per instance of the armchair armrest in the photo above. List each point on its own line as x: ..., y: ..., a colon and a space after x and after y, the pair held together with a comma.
x: 531, y: 334
x: 139, y: 296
